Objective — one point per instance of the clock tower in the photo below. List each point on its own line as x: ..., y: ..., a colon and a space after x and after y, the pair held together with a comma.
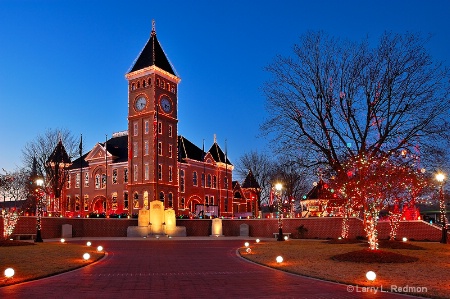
x: 152, y: 128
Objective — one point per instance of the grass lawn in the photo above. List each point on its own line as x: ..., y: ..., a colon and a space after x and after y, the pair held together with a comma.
x: 40, y: 260
x: 424, y: 265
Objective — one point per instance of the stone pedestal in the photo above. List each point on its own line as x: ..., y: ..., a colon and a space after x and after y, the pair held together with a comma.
x: 138, y: 231
x: 244, y: 230
x: 66, y: 231
x: 143, y: 218
x: 156, y: 217
x: 216, y: 227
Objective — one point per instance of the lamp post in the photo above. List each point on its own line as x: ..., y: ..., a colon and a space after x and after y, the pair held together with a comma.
x: 440, y: 177
x: 278, y: 188
x: 39, y: 184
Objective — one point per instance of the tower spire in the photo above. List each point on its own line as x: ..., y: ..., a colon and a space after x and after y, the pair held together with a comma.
x: 153, y: 27
x: 153, y: 39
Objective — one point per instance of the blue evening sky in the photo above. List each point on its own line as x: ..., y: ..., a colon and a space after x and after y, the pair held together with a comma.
x: 62, y: 63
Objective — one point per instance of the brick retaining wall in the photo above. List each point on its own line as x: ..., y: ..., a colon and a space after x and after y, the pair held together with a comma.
x: 320, y: 228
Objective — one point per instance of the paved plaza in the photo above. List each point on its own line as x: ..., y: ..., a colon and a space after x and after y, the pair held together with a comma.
x: 179, y: 268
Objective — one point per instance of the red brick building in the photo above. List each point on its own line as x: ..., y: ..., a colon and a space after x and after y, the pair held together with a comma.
x: 150, y: 160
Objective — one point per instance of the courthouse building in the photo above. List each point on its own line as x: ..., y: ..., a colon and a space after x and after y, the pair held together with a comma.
x: 150, y: 161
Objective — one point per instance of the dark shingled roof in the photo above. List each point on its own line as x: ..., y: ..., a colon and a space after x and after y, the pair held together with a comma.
x: 116, y: 146
x: 250, y: 181
x: 59, y: 154
x: 218, y: 154
x: 153, y: 54
x: 188, y: 150
x: 320, y: 191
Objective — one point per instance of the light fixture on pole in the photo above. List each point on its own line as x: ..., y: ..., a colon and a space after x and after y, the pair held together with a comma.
x: 278, y: 188
x: 440, y: 177
x: 39, y: 193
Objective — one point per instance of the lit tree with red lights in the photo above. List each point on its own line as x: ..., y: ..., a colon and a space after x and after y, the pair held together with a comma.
x: 343, y: 104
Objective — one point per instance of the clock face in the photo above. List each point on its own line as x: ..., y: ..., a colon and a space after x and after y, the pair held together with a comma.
x: 166, y: 105
x: 140, y: 103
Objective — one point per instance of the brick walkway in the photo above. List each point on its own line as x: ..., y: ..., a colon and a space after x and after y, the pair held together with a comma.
x: 169, y: 268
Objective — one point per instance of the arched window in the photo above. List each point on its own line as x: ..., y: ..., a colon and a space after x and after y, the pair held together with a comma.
x: 161, y: 196
x: 209, y: 181
x: 144, y: 83
x: 138, y: 85
x: 133, y: 87
x: 149, y: 81
x: 135, y: 200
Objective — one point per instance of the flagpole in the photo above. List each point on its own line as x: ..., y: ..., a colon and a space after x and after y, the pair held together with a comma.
x: 226, y: 175
x: 204, y: 179
x: 106, y: 175
x: 81, y: 177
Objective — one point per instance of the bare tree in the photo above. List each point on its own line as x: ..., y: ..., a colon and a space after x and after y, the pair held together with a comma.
x: 334, y: 100
x: 261, y: 167
x: 41, y: 149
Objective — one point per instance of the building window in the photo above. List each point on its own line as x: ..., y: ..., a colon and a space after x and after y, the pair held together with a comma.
x: 146, y: 171
x: 77, y: 180
x: 161, y: 196
x: 68, y: 182
x: 125, y: 200
x: 144, y: 83
x: 135, y: 172
x: 206, y: 200
x: 170, y: 200
x: 170, y: 130
x: 182, y: 203
x: 135, y: 149
x: 86, y: 179
x: 225, y: 182
x: 214, y: 183
x: 114, y: 201
x: 170, y: 150
x: 135, y: 128
x: 209, y: 181
x: 194, y: 178
x: 147, y: 126
x: 159, y: 172
x: 149, y: 81
x: 103, y: 181
x: 181, y: 180
x: 225, y: 205
x: 203, y: 180
x: 170, y: 173
x: 68, y: 203
x: 114, y: 176
x: 211, y: 200
x: 125, y: 175
x: 146, y: 148
x: 160, y: 148
x: 97, y: 181
x: 159, y: 127
x: 86, y: 203
x: 133, y: 87
x: 136, y: 201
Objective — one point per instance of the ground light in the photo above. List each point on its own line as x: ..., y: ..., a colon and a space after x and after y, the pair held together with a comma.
x: 257, y: 240
x: 9, y: 272
x: 88, y: 243
x: 86, y: 256
x: 63, y: 240
x: 405, y: 239
x: 246, y: 244
x: 370, y: 275
x: 279, y: 259
x: 100, y: 248
x: 248, y: 250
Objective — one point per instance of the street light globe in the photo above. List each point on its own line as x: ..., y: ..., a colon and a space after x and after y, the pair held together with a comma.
x: 9, y: 272
x: 257, y: 240
x: 88, y: 243
x: 63, y: 240
x: 247, y: 244
x: 100, y: 248
x: 278, y: 186
x: 279, y: 259
x: 370, y: 275
x: 440, y: 177
x: 40, y: 182
x: 86, y: 256
x: 405, y: 239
